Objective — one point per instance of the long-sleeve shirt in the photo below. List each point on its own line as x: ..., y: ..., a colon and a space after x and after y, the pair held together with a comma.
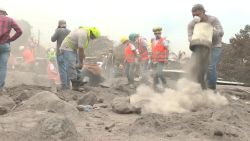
x: 59, y: 36
x: 217, y: 33
x: 6, y: 25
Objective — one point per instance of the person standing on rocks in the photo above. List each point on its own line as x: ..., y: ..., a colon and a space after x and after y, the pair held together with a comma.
x: 60, y: 33
x: 72, y: 50
x: 160, y: 51
x: 130, y: 54
x: 209, y: 56
x: 142, y: 47
x: 6, y: 25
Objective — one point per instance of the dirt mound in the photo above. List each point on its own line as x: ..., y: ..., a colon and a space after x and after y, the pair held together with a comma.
x: 47, y: 101
x: 149, y: 123
x: 222, y: 124
x: 6, y: 102
x: 23, y: 92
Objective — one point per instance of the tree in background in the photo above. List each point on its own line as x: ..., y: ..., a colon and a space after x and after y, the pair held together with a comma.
x: 235, y: 60
x: 22, y: 41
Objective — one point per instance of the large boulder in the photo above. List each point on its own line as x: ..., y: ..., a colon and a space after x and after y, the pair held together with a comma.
x: 88, y: 99
x: 121, y: 105
x: 47, y: 101
x: 36, y: 126
x: 57, y: 128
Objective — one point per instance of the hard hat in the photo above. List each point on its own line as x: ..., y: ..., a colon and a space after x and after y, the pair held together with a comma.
x: 157, y: 30
x: 51, y: 50
x: 62, y: 23
x: 95, y: 31
x: 124, y: 38
x: 21, y: 48
x: 3, y: 10
x: 132, y: 36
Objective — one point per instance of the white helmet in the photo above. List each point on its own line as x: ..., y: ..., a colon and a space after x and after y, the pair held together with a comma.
x: 21, y: 48
x: 3, y: 10
x: 51, y: 50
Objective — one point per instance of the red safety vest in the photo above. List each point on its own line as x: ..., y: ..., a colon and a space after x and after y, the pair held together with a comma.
x: 159, y: 52
x: 143, y: 51
x: 52, y: 72
x: 129, y: 54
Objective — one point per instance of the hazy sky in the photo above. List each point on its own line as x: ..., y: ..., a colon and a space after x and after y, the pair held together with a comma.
x: 116, y: 18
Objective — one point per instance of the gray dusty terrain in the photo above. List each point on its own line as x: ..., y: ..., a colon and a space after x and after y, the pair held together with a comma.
x: 29, y: 111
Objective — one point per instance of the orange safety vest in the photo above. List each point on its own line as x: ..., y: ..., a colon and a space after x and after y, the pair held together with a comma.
x: 143, y: 51
x: 28, y: 56
x: 129, y: 54
x: 159, y: 51
x: 52, y: 72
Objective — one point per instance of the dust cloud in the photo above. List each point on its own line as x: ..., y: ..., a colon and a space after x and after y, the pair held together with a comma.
x: 187, y: 97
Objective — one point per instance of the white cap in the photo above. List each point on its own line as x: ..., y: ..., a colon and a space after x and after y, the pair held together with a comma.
x: 2, y: 9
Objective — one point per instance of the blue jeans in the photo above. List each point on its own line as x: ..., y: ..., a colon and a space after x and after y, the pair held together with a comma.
x: 65, y: 83
x: 4, y: 56
x: 212, y: 68
x: 70, y: 61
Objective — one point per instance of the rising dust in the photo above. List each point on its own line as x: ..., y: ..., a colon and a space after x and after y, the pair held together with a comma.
x: 187, y: 97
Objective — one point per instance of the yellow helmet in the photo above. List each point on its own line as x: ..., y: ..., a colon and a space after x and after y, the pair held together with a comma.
x: 157, y: 30
x: 124, y: 38
x: 96, y: 32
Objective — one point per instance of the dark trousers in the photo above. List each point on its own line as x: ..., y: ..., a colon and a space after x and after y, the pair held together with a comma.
x: 130, y: 72
x: 158, y: 73
x: 200, y: 60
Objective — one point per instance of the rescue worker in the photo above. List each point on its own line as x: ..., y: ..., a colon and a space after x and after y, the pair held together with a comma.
x: 130, y: 54
x: 142, y: 47
x: 6, y: 25
x: 51, y: 54
x: 72, y: 49
x: 208, y: 57
x: 108, y: 64
x: 52, y: 71
x: 28, y: 57
x: 60, y: 33
x: 160, y: 51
